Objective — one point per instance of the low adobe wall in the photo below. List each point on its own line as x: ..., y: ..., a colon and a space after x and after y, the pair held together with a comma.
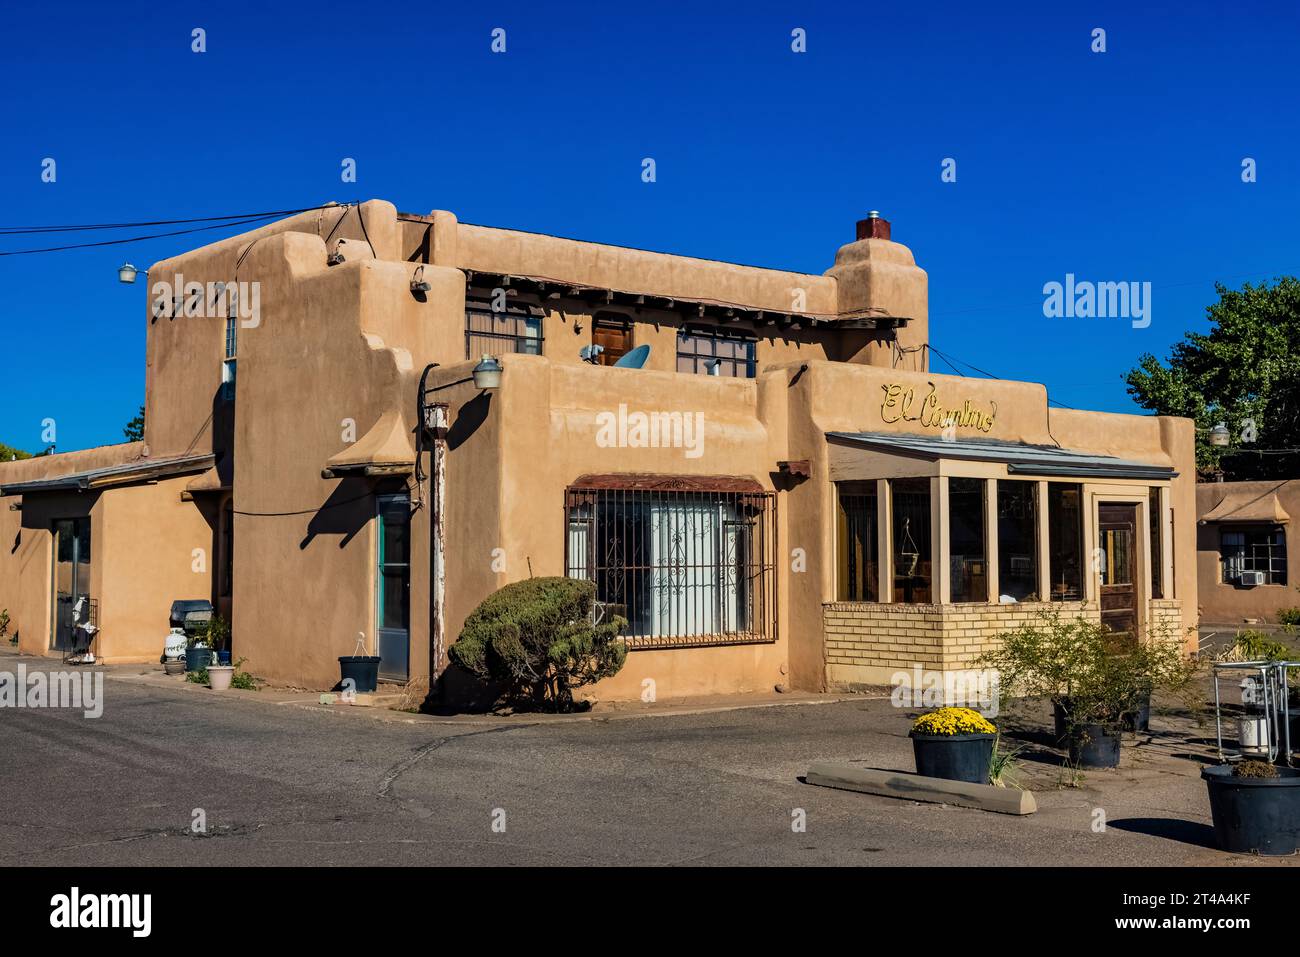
x: 867, y: 644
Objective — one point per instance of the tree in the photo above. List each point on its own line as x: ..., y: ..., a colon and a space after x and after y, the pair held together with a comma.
x: 1244, y: 373
x: 134, y: 430
x: 534, y: 641
x: 8, y: 453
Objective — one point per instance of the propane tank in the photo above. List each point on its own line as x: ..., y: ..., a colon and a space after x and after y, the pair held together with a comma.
x: 175, y: 644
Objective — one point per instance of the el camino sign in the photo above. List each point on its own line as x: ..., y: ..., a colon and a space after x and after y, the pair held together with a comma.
x: 901, y: 404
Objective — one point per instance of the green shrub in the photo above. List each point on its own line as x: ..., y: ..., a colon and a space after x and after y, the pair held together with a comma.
x: 4, y: 623
x: 241, y: 679
x: 534, y: 640
x: 1254, y: 645
x: 1105, y: 675
x: 1289, y: 619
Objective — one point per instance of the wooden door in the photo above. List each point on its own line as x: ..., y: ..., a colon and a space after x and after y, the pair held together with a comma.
x: 615, y: 335
x: 1117, y: 534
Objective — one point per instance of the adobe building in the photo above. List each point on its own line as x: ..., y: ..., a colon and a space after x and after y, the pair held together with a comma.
x: 780, y: 492
x: 1242, y: 551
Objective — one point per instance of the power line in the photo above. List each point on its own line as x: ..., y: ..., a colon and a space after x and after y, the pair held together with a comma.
x: 250, y: 219
x: 134, y: 238
x: 987, y: 374
x: 26, y: 230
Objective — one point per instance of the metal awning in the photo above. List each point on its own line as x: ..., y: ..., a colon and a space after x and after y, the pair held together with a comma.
x: 1020, y: 458
x: 1246, y: 507
x: 144, y: 470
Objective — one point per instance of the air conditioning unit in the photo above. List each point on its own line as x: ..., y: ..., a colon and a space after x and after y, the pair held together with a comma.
x: 1251, y: 578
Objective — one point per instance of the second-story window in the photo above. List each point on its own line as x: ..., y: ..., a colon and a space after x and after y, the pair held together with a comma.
x: 708, y: 350
x: 228, y: 365
x: 493, y: 332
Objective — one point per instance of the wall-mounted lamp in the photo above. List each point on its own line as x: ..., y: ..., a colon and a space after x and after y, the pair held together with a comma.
x: 487, y: 374
x: 1219, y: 435
x: 418, y: 282
x: 127, y: 273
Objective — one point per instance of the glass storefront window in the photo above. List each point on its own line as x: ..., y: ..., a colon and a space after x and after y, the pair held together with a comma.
x: 1157, y: 556
x: 1018, y: 540
x: 911, y: 526
x: 858, y: 551
x: 1065, y: 541
x: 967, y: 555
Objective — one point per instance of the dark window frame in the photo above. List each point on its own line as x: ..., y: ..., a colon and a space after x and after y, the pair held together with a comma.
x: 700, y: 359
x: 1247, y: 557
x: 492, y: 340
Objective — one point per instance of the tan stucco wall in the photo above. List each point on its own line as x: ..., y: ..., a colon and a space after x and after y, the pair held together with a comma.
x: 346, y: 344
x: 1223, y: 603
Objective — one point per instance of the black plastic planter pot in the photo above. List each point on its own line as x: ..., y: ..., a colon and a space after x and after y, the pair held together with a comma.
x: 362, y: 669
x: 196, y: 658
x: 1061, y: 719
x: 955, y: 757
x: 1254, y: 815
x: 1094, y: 746
x: 1139, y: 720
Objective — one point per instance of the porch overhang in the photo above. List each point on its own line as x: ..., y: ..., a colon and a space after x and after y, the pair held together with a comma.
x: 1020, y: 458
x: 1247, y: 508
x: 386, y: 449
x: 145, y: 470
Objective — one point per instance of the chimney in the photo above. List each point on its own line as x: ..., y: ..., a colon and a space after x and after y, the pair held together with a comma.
x: 873, y: 227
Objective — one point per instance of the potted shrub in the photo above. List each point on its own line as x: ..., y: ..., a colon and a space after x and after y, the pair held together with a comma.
x: 1255, y: 807
x: 1043, y: 659
x: 198, y: 653
x: 1098, y: 681
x: 953, y: 743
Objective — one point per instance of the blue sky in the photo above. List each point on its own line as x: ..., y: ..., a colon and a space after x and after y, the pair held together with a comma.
x: 1115, y: 166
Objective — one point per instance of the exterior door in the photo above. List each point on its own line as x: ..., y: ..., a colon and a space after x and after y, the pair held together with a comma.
x: 393, y: 587
x: 72, y: 570
x: 615, y: 335
x: 1118, y: 537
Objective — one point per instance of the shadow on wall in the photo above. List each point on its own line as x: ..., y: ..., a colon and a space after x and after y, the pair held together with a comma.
x: 344, y: 513
x: 472, y: 415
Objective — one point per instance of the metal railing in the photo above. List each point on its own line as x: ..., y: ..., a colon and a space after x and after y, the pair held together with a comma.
x: 685, y: 568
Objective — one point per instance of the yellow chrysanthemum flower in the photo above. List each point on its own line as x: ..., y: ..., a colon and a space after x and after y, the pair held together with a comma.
x: 953, y: 721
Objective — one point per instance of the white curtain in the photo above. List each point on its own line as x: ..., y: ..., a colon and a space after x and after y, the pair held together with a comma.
x: 694, y: 580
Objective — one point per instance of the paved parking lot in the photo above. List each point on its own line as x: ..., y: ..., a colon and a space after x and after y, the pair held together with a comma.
x: 281, y: 780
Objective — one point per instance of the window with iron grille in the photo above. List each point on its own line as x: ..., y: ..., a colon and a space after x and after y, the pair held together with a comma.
x: 490, y: 332
x: 1260, y: 549
x: 712, y: 351
x: 685, y: 568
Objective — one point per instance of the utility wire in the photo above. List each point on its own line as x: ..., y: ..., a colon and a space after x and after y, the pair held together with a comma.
x: 26, y: 230
x: 987, y: 374
x: 136, y: 239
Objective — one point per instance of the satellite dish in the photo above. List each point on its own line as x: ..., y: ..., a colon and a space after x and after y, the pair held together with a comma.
x: 634, y: 359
